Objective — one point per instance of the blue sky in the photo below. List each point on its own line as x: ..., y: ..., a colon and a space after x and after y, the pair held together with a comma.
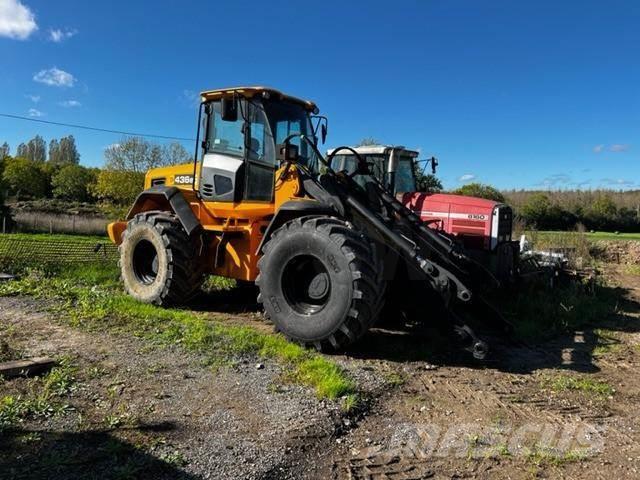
x: 538, y: 94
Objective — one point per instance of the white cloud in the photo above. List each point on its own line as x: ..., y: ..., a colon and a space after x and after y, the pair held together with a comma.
x: 35, y: 113
x: 467, y: 177
x: 55, y: 77
x: 619, y: 147
x: 616, y: 148
x: 555, y: 180
x: 33, y: 98
x: 16, y: 20
x: 59, y: 35
x: 70, y: 104
x: 621, y: 182
x: 190, y: 98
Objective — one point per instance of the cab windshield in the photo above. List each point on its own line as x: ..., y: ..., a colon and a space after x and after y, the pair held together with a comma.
x: 405, y: 180
x: 405, y: 175
x: 287, y: 118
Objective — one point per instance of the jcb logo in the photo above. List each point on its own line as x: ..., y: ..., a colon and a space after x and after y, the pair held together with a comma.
x: 183, y: 179
x: 477, y: 216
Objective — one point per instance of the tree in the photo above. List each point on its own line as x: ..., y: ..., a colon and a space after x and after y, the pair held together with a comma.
x: 73, y: 182
x: 119, y: 186
x: 536, y: 209
x: 481, y: 191
x: 64, y: 152
x: 602, y: 212
x: 428, y: 183
x: 68, y: 151
x: 24, y: 176
x: 35, y: 149
x: 5, y: 150
x: 368, y: 141
x: 176, y: 154
x: 134, y: 154
x: 54, y: 152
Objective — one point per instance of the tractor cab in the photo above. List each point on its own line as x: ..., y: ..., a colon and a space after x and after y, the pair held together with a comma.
x: 392, y: 165
x: 482, y: 226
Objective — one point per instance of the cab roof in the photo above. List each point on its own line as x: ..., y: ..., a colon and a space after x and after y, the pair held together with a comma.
x: 250, y: 92
x: 376, y: 150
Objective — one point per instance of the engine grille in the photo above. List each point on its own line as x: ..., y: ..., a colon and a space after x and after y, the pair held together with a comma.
x: 207, y: 190
x: 505, y: 224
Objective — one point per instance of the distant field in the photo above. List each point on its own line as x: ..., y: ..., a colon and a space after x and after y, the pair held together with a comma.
x: 602, y: 235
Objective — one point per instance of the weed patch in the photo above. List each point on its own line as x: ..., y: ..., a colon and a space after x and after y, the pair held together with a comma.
x: 43, y: 397
x: 581, y: 384
x: 632, y: 269
x: 539, y: 312
x: 542, y: 456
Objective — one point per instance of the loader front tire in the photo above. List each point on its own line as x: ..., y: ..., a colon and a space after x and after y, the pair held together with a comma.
x: 158, y: 260
x: 318, y: 282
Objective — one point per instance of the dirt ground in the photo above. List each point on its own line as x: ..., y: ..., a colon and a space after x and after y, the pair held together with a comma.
x: 564, y: 409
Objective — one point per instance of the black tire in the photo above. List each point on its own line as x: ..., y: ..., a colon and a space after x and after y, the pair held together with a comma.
x: 158, y: 260
x: 318, y: 282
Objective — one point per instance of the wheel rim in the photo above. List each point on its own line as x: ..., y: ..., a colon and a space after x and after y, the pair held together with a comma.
x: 145, y: 262
x: 306, y: 284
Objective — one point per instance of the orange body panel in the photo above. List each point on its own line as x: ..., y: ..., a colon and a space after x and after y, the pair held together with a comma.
x: 238, y: 226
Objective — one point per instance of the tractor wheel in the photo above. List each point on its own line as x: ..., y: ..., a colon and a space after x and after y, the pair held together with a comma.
x: 158, y: 260
x: 318, y: 282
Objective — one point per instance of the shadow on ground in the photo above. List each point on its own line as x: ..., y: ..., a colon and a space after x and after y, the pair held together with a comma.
x: 431, y: 342
x: 37, y: 454
x: 241, y: 299
x: 429, y: 339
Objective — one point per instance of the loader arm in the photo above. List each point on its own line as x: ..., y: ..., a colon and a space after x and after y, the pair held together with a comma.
x: 436, y: 258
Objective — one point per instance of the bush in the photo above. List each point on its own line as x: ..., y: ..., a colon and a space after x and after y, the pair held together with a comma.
x: 481, y: 191
x: 73, y: 182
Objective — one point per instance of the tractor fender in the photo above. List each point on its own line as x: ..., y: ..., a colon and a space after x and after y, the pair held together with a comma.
x: 166, y: 198
x: 294, y: 209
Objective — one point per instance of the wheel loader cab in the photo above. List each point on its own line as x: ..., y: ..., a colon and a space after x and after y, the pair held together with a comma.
x: 239, y: 145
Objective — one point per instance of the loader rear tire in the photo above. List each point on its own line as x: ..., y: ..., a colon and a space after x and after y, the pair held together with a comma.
x: 318, y: 282
x: 158, y: 260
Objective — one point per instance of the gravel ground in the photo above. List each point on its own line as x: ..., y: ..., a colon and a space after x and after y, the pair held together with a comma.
x: 142, y: 411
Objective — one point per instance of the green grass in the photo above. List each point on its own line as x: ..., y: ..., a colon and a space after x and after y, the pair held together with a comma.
x: 90, y: 297
x: 582, y: 384
x: 542, y: 456
x: 45, y: 237
x: 607, y: 342
x: 631, y: 269
x: 599, y: 235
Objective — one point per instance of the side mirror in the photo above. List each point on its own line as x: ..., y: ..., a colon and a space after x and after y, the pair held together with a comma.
x: 287, y: 152
x: 323, y: 132
x: 229, y: 107
x: 434, y: 165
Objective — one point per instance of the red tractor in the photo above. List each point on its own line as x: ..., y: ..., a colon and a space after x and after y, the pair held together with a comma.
x: 482, y: 226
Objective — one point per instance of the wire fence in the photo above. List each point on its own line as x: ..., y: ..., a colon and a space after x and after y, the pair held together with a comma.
x: 35, y: 250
